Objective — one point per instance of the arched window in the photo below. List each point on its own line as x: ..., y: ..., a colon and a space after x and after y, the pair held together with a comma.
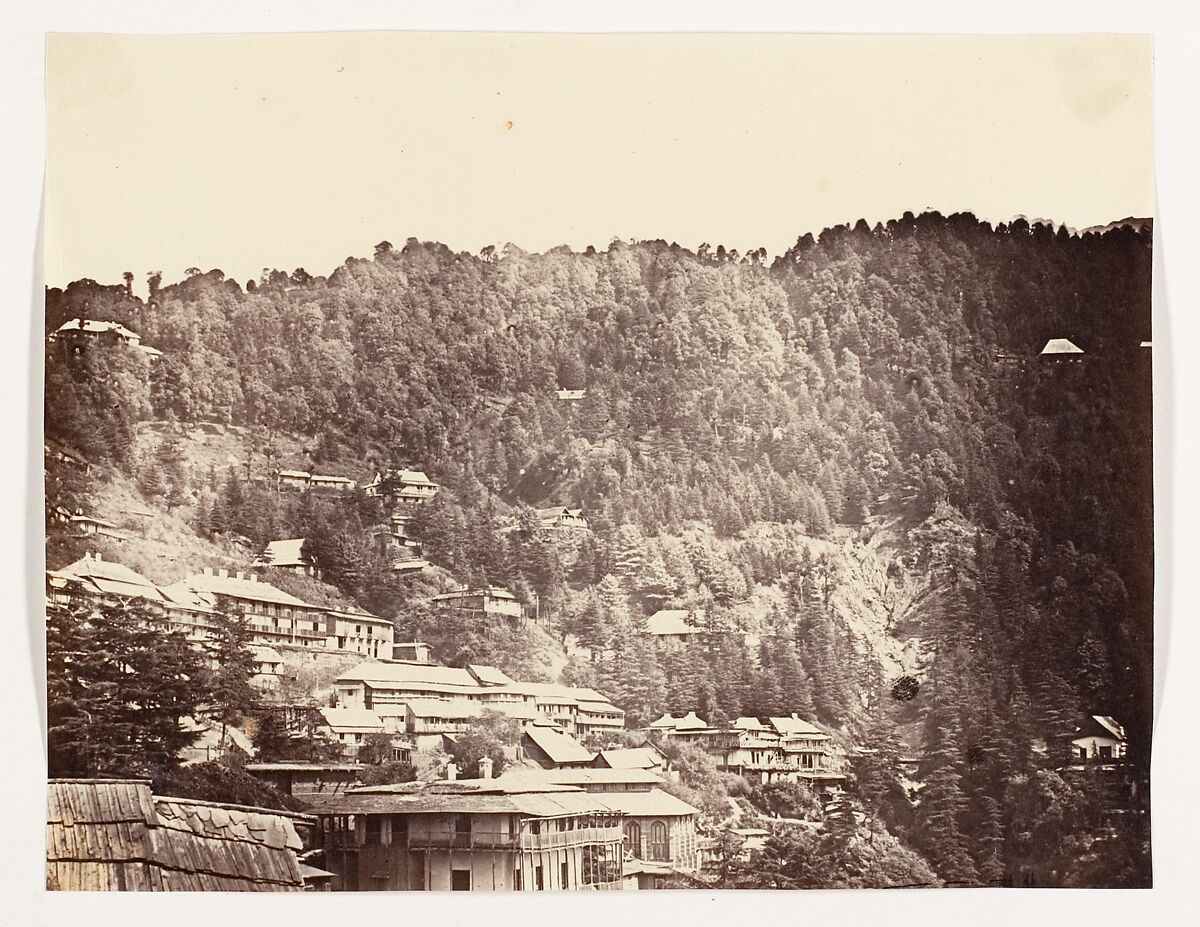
x: 660, y: 848
x: 633, y: 837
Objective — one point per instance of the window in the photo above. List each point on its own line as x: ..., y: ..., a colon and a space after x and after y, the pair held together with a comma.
x: 564, y: 874
x: 374, y: 830
x: 462, y: 829
x: 460, y: 880
x: 633, y: 837
x: 660, y: 848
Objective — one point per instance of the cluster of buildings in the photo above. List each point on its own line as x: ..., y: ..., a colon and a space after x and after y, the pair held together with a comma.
x: 428, y: 702
x: 275, y: 618
x: 761, y: 749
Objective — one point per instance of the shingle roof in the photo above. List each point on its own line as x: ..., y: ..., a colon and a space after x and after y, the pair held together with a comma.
x: 106, y: 834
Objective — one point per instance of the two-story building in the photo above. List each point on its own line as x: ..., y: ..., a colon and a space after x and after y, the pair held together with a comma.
x: 78, y: 332
x: 1100, y: 738
x: 672, y: 625
x: 492, y: 601
x: 359, y: 632
x: 402, y: 487
x: 471, y: 835
x: 274, y: 616
x: 304, y: 480
x: 557, y: 518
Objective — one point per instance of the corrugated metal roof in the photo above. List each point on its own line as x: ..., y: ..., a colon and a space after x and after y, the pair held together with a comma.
x: 587, y: 776
x: 96, y: 327
x: 254, y: 590
x: 670, y: 621
x: 630, y: 758
x: 399, y: 674
x: 436, y: 708
x: 1061, y: 346
x: 468, y: 796
x: 488, y: 675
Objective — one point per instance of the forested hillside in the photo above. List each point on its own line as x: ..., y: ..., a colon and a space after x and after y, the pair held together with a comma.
x: 852, y: 455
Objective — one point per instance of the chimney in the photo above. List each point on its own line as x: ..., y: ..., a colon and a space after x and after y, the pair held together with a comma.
x: 485, y: 767
x: 98, y: 557
x: 208, y: 571
x: 451, y: 772
x: 223, y: 574
x: 253, y: 577
x: 239, y: 575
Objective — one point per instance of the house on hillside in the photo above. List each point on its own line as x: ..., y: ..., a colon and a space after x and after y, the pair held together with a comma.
x: 471, y: 835
x: 115, y: 835
x: 305, y: 480
x: 274, y: 616
x: 1101, y: 739
x: 287, y: 555
x: 1061, y: 351
x: 672, y: 625
x: 558, y: 518
x: 413, y: 652
x: 570, y: 395
x: 426, y: 720
x: 490, y: 601
x: 79, y: 332
x: 403, y: 486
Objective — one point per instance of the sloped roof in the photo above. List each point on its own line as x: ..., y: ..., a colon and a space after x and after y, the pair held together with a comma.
x: 796, y: 727
x: 630, y: 758
x: 670, y: 621
x: 494, y: 592
x: 253, y: 589
x: 468, y: 796
x: 653, y: 803
x: 113, y: 834
x: 585, y: 776
x: 1061, y: 346
x: 407, y: 673
x: 1110, y: 724
x: 689, y: 722
x: 559, y: 746
x: 110, y: 577
x: 283, y: 553
x: 488, y: 675
x: 436, y: 708
x: 96, y: 327
x: 352, y: 720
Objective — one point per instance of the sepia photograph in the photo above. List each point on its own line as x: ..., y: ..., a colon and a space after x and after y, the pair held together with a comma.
x: 535, y: 462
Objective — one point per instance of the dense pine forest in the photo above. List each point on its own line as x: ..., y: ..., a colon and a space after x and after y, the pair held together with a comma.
x: 890, y: 514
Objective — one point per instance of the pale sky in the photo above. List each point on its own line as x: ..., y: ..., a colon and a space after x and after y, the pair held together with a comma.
x: 245, y: 152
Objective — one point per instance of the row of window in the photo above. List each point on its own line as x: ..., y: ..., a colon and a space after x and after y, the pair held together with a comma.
x: 659, y: 847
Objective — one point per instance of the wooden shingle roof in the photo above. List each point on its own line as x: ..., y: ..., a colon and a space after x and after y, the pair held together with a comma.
x: 114, y: 835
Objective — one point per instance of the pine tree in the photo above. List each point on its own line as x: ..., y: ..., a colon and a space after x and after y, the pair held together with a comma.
x: 231, y: 694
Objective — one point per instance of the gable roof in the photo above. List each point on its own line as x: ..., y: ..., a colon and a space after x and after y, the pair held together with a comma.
x: 114, y: 835
x: 630, y: 758
x: 796, y: 727
x: 558, y: 746
x: 585, y: 776
x: 352, y: 720
x: 1061, y: 346
x: 107, y: 576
